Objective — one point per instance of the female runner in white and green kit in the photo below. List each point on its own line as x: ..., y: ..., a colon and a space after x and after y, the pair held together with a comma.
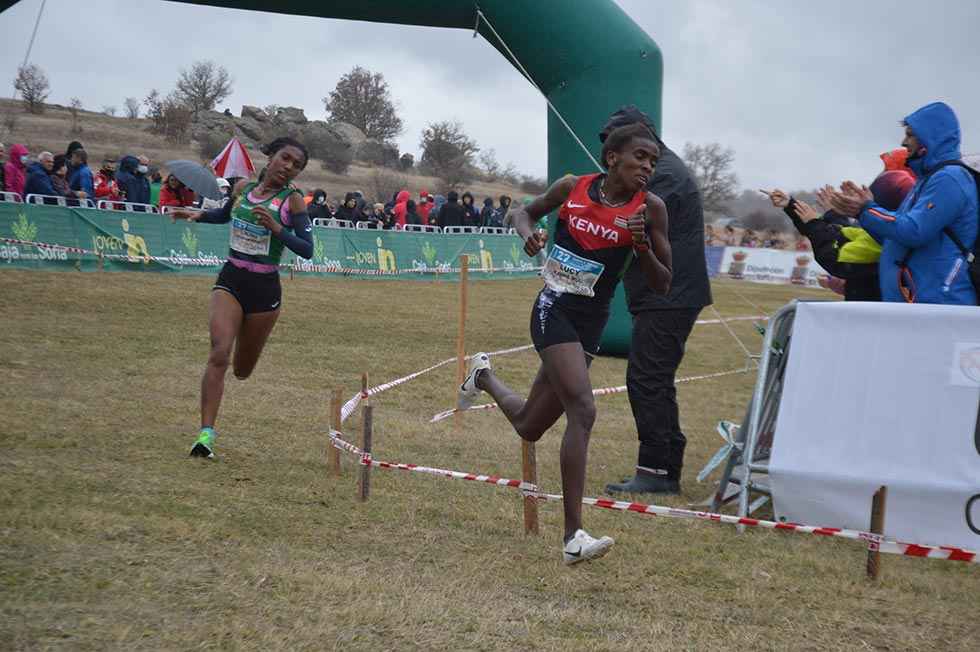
x: 266, y: 218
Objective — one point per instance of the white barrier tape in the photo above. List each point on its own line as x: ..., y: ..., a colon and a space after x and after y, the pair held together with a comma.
x: 595, y: 392
x: 878, y: 541
x: 723, y: 320
x: 351, y: 405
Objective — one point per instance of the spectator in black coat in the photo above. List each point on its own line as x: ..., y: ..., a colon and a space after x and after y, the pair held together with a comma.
x: 471, y: 216
x: 662, y: 323
x: 318, y: 209
x: 349, y: 210
x: 502, y: 208
x: 488, y: 214
x: 452, y: 212
x: 411, y: 213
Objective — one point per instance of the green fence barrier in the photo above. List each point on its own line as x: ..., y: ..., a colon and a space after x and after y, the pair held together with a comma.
x: 86, y: 239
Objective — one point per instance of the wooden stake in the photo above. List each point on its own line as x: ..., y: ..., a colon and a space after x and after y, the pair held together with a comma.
x: 877, y: 527
x: 529, y: 473
x: 364, y: 388
x: 364, y: 480
x: 336, y: 403
x: 464, y: 275
x: 291, y: 268
x: 101, y: 262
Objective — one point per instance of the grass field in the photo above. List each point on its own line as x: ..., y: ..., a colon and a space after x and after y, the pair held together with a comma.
x: 112, y: 538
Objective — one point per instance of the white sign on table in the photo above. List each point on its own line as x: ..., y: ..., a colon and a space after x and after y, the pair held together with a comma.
x: 882, y: 394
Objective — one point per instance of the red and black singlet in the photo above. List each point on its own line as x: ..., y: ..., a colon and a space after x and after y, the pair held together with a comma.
x: 589, y: 231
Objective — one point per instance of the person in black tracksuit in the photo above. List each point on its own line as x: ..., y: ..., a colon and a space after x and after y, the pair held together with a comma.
x: 662, y: 323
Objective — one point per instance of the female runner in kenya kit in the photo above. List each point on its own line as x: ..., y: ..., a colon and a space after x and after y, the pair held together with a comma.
x: 606, y: 222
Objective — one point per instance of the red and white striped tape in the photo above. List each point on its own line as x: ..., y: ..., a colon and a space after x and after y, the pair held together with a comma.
x: 355, y: 400
x: 882, y: 543
x: 367, y: 460
x: 874, y: 541
x: 595, y: 392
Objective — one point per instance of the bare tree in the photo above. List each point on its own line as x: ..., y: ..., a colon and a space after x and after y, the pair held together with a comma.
x: 385, y: 183
x: 447, y: 152
x: 109, y: 110
x: 132, y: 106
x: 74, y: 106
x: 510, y: 174
x: 361, y: 98
x: 33, y: 86
x: 491, y: 166
x: 711, y: 166
x: 203, y: 86
x: 171, y: 118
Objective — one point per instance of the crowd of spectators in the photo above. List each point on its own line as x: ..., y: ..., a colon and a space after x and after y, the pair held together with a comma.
x: 69, y: 176
x: 401, y: 209
x: 910, y: 236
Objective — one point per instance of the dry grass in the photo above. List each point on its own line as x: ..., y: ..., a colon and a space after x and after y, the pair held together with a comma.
x: 104, y: 136
x: 113, y: 538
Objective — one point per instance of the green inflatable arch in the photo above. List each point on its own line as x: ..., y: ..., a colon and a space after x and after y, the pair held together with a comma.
x: 586, y: 56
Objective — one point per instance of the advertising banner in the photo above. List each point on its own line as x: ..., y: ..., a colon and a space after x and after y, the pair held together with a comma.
x: 151, y: 242
x: 770, y: 266
x: 882, y: 394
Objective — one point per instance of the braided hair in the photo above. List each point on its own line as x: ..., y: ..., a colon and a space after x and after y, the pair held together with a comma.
x: 285, y: 141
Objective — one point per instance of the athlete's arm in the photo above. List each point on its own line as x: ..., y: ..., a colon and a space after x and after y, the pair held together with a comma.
x: 300, y: 239
x: 654, y: 249
x: 525, y: 217
x: 215, y: 215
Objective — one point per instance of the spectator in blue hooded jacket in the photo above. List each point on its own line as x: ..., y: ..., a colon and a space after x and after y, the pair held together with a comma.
x: 919, y: 262
x: 131, y: 180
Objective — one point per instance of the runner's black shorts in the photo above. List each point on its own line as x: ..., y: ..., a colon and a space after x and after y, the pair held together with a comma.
x: 552, y: 324
x: 254, y: 291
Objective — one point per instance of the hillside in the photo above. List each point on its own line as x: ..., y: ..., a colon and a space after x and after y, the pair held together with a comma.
x: 104, y: 135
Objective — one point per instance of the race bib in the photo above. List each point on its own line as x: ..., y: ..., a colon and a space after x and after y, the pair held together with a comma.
x: 250, y: 239
x: 568, y: 273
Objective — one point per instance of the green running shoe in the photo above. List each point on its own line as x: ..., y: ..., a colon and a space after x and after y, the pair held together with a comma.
x: 204, y: 446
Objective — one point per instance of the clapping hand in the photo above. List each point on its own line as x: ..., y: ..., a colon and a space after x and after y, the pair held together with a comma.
x: 805, y: 211
x: 849, y: 200
x: 778, y: 198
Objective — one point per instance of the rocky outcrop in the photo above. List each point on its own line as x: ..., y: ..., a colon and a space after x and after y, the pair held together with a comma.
x: 256, y: 127
x: 348, y: 133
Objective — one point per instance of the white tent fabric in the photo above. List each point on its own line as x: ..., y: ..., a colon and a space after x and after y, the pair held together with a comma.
x: 233, y: 161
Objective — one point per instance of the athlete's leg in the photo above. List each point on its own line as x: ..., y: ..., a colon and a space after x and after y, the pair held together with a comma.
x: 254, y: 331
x: 225, y: 322
x: 531, y: 418
x: 568, y: 373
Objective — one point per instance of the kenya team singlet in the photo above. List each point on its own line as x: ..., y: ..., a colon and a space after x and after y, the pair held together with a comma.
x: 592, y: 244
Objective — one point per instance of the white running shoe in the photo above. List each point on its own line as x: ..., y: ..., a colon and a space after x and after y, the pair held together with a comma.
x: 468, y: 391
x: 584, y: 547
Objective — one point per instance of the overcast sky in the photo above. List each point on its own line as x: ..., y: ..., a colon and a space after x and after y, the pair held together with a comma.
x: 805, y: 92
